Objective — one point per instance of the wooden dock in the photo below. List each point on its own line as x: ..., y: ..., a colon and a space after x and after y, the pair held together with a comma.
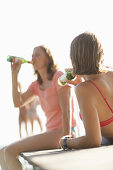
x: 84, y: 159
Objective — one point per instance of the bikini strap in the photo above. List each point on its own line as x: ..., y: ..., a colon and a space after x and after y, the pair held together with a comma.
x: 102, y: 95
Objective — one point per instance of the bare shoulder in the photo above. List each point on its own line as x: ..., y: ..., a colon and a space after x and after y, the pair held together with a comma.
x: 83, y: 88
x: 84, y: 92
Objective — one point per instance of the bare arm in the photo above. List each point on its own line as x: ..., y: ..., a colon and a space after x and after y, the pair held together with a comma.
x: 90, y: 118
x: 64, y: 95
x: 19, y: 99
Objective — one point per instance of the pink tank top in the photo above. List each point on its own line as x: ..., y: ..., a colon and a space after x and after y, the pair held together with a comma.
x: 50, y: 104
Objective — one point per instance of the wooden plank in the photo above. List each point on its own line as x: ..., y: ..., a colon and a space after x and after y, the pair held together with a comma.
x: 85, y: 159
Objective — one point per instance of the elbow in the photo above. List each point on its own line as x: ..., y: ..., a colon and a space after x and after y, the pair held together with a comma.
x: 95, y: 142
x: 16, y: 104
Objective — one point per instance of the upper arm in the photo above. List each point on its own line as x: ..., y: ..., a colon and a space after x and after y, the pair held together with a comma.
x: 64, y: 93
x: 89, y: 113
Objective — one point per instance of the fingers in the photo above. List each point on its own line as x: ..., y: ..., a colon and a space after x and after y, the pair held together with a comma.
x: 15, y: 67
x: 69, y: 69
x: 70, y: 82
x: 17, y: 62
x: 76, y: 81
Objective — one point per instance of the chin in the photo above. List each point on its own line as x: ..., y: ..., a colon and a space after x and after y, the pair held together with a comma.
x: 35, y: 67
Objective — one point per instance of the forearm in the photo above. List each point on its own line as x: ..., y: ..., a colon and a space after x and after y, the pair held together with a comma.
x: 81, y: 143
x: 66, y: 123
x: 15, y: 93
x: 64, y: 95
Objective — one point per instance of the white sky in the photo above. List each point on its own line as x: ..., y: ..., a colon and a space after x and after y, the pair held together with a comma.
x: 25, y: 24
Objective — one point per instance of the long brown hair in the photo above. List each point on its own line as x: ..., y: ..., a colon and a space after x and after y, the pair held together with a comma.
x: 86, y: 54
x: 52, y: 67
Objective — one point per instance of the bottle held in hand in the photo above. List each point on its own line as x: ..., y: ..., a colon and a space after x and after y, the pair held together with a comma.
x: 66, y: 76
x: 16, y: 59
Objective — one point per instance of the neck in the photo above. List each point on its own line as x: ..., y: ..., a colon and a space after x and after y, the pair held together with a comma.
x: 92, y: 76
x: 43, y: 74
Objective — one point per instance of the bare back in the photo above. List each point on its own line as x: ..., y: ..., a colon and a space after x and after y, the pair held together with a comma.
x: 105, y: 84
x: 94, y: 98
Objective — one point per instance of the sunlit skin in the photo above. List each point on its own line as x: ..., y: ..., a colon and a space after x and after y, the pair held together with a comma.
x: 93, y: 110
x: 9, y: 155
x: 40, y: 61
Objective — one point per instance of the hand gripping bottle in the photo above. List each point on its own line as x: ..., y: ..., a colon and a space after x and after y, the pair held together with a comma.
x: 16, y: 59
x: 66, y: 76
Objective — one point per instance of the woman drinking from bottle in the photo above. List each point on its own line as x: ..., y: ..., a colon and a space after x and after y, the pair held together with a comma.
x: 55, y: 101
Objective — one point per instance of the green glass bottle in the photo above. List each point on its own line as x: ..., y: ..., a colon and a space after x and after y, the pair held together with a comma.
x: 66, y: 76
x: 16, y: 59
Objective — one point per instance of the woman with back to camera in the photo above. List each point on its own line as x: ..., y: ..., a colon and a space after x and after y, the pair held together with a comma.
x: 55, y: 101
x: 94, y: 95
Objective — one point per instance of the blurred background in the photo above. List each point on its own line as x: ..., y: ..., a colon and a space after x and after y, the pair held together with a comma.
x: 25, y: 24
